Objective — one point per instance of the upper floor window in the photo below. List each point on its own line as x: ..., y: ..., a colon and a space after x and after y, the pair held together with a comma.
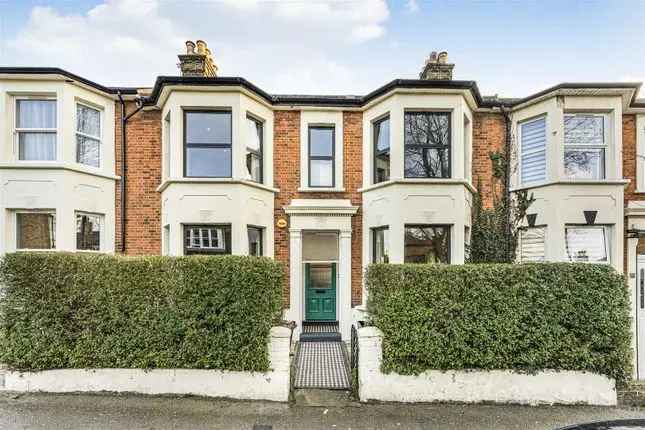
x: 207, y: 144
x: 207, y: 239
x: 427, y: 244
x: 88, y: 135
x: 166, y: 146
x: 533, y: 150
x: 254, y: 159
x: 321, y: 156
x: 36, y: 129
x: 584, y: 146
x: 382, y: 150
x: 35, y: 230
x: 427, y: 144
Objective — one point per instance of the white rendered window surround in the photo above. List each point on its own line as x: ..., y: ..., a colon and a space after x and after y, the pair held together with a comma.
x: 35, y: 128
x: 640, y: 153
x: 88, y: 135
x: 313, y: 119
x: 532, y: 146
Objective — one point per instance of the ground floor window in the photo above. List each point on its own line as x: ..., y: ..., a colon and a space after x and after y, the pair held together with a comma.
x: 532, y: 244
x: 35, y: 230
x: 380, y: 245
x: 255, y: 240
x: 427, y: 244
x: 88, y: 231
x: 588, y: 244
x: 207, y: 239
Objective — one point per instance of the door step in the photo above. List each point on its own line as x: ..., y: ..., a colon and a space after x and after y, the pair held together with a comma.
x: 320, y: 331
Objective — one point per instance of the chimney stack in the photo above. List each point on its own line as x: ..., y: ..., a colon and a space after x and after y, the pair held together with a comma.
x: 437, y: 67
x: 197, y: 63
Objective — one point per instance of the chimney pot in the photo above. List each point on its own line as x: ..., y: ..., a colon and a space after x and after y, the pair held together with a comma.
x: 437, y: 67
x: 190, y: 47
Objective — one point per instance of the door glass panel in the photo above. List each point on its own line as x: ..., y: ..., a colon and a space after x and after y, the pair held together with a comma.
x: 320, y: 246
x: 320, y: 277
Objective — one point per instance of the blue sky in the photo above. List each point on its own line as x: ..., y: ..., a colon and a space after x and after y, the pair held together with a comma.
x: 510, y: 48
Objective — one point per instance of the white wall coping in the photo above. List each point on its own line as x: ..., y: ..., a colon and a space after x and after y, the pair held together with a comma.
x: 475, y: 386
x: 273, y: 384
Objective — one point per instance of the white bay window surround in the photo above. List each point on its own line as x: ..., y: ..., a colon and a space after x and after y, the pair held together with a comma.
x: 321, y: 151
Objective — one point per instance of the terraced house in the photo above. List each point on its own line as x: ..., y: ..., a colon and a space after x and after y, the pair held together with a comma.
x: 203, y: 164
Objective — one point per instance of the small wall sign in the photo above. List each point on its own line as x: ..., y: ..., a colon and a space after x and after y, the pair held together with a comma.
x: 281, y: 223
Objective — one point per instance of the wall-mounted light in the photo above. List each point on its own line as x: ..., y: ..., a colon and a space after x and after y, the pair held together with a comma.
x: 590, y: 216
x: 531, y: 218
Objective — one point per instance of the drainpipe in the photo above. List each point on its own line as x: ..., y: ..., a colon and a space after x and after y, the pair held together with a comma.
x: 507, y: 179
x: 124, y: 122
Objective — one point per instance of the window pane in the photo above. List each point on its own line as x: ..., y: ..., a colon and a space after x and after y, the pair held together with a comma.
x: 208, y: 127
x: 88, y: 121
x: 207, y: 239
x: 584, y: 163
x: 427, y: 244
x: 382, y: 151
x: 36, y: 230
x: 381, y: 245
x: 319, y: 246
x: 321, y: 173
x: 253, y: 167
x: 587, y: 244
x: 208, y: 162
x: 427, y: 128
x: 36, y: 114
x: 320, y: 276
x: 321, y: 142
x: 584, y: 130
x: 37, y: 146
x: 88, y: 232
x: 427, y: 162
x: 255, y: 241
x: 88, y: 151
x: 532, y: 244
x: 253, y: 134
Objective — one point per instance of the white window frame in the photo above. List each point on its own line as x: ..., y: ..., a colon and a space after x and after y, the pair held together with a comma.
x: 607, y: 233
x: 534, y: 151
x: 79, y: 133
x: 34, y: 211
x: 101, y: 231
x: 17, y: 130
x: 605, y: 146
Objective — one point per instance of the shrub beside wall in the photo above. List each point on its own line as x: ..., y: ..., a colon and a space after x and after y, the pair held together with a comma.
x: 99, y: 311
x: 501, y: 316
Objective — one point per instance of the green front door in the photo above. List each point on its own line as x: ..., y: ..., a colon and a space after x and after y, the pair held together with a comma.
x: 320, y: 291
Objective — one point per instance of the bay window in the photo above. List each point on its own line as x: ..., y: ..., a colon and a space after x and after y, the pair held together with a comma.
x: 588, y: 244
x: 321, y: 156
x: 381, y: 130
x: 88, y: 232
x: 35, y: 230
x: 36, y: 129
x: 254, y: 159
x: 207, y: 144
x: 427, y: 244
x: 584, y: 146
x: 533, y: 150
x: 427, y: 144
x: 88, y: 135
x: 380, y: 245
x: 207, y: 239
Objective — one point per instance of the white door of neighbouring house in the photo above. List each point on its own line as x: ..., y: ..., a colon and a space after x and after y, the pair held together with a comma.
x: 640, y: 318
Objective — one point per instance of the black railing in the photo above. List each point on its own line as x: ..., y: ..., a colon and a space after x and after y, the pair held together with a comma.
x: 353, y: 359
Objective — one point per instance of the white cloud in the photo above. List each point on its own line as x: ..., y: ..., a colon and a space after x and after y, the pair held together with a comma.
x: 412, y: 6
x: 292, y: 46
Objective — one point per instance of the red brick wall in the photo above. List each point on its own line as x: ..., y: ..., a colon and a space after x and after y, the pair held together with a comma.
x: 489, y: 135
x: 629, y: 172
x: 286, y: 159
x: 143, y: 163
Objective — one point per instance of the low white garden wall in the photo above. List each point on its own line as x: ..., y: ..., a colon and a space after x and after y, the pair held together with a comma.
x: 500, y: 386
x: 271, y: 385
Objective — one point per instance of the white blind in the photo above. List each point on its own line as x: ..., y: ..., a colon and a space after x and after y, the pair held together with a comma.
x: 587, y: 244
x: 532, y: 244
x: 533, y: 150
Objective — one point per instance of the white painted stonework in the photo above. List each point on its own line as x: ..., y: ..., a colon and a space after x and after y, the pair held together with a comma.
x: 271, y: 385
x: 499, y: 386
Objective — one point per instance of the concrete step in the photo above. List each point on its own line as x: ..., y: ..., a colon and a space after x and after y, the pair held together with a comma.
x: 319, y: 397
x: 320, y: 337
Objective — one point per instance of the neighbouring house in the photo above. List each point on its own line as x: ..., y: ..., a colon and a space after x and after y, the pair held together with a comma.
x: 202, y: 164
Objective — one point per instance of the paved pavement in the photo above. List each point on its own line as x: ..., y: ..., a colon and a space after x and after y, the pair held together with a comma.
x: 90, y: 412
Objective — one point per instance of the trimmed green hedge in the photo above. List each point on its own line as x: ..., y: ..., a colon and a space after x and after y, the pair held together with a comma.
x: 525, y: 317
x: 63, y: 310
